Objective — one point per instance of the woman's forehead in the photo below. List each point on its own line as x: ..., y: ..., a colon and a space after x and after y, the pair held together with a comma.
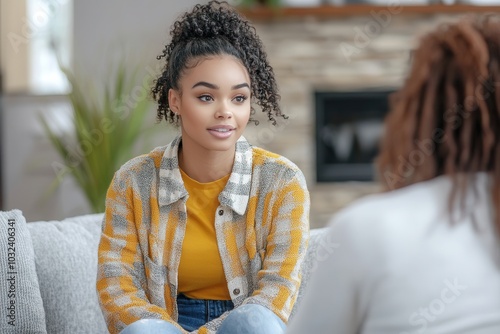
x: 216, y: 68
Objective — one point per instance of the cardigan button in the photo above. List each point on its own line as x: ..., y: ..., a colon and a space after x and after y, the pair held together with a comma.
x: 236, y: 292
x: 221, y: 212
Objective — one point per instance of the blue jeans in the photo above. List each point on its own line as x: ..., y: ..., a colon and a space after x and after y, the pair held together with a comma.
x: 151, y: 326
x: 252, y: 319
x: 246, y: 319
x: 194, y: 313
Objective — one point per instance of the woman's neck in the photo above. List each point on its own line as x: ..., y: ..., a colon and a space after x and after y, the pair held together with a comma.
x: 205, y: 166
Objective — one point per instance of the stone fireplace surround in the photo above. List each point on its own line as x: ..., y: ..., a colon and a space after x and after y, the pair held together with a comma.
x: 340, y: 53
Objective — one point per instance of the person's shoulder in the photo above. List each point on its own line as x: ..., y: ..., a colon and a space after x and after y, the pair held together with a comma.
x: 268, y: 159
x: 149, y: 161
x: 412, y: 205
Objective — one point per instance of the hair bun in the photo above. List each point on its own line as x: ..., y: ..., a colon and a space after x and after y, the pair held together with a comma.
x: 209, y: 21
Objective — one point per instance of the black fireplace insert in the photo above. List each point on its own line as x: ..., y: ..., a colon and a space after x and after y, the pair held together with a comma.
x: 348, y: 130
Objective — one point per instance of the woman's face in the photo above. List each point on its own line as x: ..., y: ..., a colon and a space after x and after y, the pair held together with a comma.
x: 213, y: 102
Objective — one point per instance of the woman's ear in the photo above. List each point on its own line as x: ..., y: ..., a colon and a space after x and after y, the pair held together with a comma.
x: 174, y: 100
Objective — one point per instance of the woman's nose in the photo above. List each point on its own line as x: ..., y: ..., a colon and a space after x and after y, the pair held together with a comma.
x: 224, y: 112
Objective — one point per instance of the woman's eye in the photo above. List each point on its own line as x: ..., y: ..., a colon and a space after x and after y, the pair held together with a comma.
x: 240, y: 98
x: 205, y: 98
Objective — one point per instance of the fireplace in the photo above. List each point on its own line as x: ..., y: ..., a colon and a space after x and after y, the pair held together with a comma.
x: 348, y: 129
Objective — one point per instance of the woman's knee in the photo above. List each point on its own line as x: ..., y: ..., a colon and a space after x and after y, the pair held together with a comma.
x: 151, y: 326
x: 252, y: 319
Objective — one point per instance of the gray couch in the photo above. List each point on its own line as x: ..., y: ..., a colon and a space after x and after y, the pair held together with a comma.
x: 64, y: 256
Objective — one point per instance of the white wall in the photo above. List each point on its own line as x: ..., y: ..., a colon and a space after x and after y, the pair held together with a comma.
x: 13, y: 47
x: 108, y: 30
x: 103, y: 32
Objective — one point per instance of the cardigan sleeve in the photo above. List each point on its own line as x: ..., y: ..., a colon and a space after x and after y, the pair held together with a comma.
x: 121, y: 276
x: 280, y: 276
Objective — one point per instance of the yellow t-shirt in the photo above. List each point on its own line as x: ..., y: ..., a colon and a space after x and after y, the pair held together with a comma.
x: 201, y: 275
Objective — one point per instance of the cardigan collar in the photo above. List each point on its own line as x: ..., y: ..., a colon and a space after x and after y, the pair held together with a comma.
x: 235, y: 194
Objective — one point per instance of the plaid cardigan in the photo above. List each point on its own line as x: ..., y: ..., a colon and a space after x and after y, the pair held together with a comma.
x: 262, y: 227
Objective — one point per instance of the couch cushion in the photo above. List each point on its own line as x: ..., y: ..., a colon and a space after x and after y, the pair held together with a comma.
x: 21, y: 308
x: 66, y: 263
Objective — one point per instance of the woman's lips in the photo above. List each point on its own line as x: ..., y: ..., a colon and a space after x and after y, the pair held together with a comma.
x: 221, y: 132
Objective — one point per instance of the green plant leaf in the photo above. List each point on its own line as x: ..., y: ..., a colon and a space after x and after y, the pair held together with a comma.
x: 106, y: 129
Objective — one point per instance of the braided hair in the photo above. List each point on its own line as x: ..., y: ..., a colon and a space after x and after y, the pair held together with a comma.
x: 445, y: 120
x: 216, y: 29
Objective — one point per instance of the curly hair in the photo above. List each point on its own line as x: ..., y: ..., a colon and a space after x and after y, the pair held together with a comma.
x: 445, y: 120
x: 216, y: 29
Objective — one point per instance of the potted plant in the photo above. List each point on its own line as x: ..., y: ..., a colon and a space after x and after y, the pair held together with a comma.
x: 104, y: 133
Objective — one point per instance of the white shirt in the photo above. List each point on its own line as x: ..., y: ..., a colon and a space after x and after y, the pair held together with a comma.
x: 396, y: 264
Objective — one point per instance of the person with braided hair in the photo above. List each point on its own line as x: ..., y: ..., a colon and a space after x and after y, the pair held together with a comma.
x: 424, y: 256
x: 208, y: 233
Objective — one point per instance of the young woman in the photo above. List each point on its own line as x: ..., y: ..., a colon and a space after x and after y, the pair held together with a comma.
x: 425, y: 257
x: 206, y: 234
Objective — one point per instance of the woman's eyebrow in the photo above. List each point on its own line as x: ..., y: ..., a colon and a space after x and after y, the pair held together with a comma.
x: 212, y: 86
x: 206, y: 84
x: 241, y: 85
